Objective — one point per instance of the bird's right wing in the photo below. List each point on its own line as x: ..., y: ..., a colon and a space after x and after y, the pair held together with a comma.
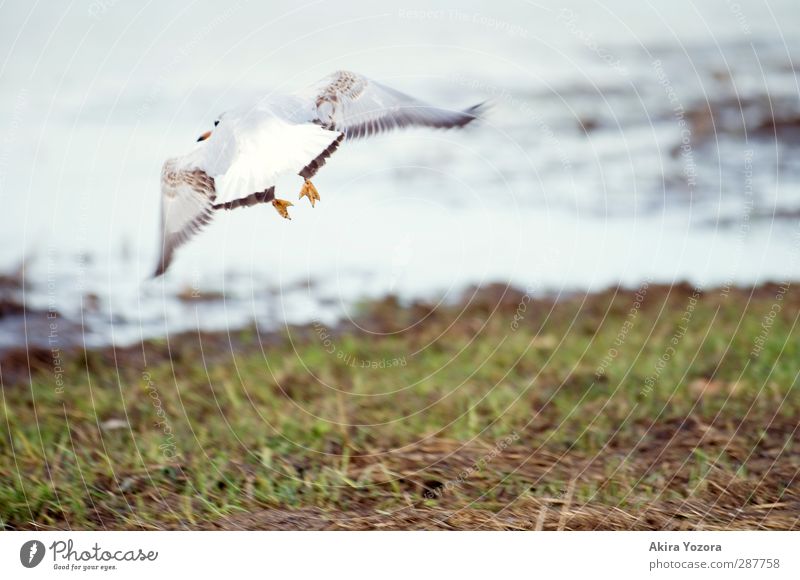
x: 187, y: 197
x: 359, y: 107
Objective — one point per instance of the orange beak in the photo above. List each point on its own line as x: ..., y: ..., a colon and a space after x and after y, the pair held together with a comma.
x: 204, y: 136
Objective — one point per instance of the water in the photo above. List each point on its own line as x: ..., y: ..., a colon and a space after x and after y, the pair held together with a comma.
x: 625, y: 143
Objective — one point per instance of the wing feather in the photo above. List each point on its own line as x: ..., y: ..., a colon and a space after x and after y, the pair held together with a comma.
x: 359, y: 107
x: 187, y: 198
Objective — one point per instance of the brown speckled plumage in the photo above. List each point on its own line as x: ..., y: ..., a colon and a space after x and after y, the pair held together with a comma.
x: 344, y: 84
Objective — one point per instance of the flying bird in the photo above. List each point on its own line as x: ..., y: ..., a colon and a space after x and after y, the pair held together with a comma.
x: 237, y: 162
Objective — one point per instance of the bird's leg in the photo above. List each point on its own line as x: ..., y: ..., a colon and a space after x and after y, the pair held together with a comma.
x: 310, y: 192
x: 281, y: 206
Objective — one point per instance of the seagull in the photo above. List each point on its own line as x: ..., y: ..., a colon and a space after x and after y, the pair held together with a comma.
x: 237, y: 163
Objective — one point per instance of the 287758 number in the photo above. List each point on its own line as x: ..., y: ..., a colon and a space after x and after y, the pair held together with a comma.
x: 758, y: 563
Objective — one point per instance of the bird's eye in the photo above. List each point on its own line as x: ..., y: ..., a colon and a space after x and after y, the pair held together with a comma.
x: 216, y: 122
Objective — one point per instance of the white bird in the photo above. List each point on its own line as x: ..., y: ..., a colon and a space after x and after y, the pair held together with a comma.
x: 238, y: 162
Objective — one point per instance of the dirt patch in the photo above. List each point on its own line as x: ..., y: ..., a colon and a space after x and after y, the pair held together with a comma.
x: 530, y: 514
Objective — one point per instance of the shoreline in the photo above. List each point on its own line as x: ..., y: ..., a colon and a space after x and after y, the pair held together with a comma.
x: 16, y: 360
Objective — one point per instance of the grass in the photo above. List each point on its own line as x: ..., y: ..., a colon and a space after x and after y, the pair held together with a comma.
x: 667, y: 409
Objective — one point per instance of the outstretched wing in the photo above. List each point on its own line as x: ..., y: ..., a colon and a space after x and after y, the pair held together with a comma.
x: 187, y: 198
x: 359, y: 107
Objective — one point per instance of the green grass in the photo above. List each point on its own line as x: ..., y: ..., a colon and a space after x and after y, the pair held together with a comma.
x: 277, y: 422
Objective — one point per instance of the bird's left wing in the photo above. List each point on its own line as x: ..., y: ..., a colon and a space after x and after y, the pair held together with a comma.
x: 359, y: 107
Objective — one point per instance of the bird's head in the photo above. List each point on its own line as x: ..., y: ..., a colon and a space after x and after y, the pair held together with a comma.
x: 207, y: 134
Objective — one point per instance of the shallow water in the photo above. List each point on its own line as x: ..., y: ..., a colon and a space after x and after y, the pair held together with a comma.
x: 624, y: 144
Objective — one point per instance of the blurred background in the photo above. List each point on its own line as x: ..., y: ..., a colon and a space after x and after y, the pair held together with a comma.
x: 627, y: 143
